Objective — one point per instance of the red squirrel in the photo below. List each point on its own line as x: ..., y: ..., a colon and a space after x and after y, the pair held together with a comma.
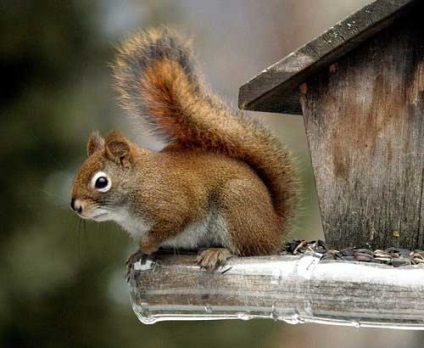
x: 222, y: 182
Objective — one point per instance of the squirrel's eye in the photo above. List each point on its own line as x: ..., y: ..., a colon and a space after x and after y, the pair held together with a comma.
x: 101, y: 182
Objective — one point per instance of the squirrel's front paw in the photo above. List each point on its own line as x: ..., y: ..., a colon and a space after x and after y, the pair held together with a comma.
x: 211, y: 259
x: 133, y: 258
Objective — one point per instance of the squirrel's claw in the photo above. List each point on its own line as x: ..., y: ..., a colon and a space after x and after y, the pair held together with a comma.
x: 211, y: 259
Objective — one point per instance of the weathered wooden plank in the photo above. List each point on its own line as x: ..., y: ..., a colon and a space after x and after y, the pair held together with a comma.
x: 364, y: 118
x: 290, y: 288
x: 276, y: 88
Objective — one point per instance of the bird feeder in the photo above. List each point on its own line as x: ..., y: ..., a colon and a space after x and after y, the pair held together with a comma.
x: 360, y: 88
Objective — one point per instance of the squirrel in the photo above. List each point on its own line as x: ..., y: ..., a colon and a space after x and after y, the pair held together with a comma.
x: 222, y: 184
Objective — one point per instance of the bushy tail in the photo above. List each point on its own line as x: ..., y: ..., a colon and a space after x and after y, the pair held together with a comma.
x: 156, y: 80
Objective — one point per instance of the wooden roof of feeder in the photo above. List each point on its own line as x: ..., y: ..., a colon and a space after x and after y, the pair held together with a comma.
x: 276, y: 89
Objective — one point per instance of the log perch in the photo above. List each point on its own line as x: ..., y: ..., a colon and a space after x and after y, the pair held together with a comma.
x: 294, y: 289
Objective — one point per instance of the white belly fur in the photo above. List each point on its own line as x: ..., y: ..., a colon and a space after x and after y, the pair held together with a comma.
x: 211, y: 231
x: 135, y: 226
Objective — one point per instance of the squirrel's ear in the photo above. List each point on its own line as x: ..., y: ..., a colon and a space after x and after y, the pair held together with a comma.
x: 95, y: 143
x: 117, y: 149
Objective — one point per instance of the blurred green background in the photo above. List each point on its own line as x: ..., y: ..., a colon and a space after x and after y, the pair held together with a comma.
x: 62, y: 280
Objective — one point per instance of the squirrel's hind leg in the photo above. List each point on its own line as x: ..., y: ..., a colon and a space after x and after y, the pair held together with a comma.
x: 252, y: 226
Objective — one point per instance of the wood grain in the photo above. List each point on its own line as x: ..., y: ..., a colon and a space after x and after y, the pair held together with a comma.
x: 364, y: 118
x: 290, y: 288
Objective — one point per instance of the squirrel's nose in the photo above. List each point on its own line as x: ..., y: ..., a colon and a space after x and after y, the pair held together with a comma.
x: 76, y: 206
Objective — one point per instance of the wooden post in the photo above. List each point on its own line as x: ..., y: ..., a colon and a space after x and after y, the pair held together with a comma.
x: 364, y: 119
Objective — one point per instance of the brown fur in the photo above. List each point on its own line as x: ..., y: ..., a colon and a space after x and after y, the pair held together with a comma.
x: 224, y: 171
